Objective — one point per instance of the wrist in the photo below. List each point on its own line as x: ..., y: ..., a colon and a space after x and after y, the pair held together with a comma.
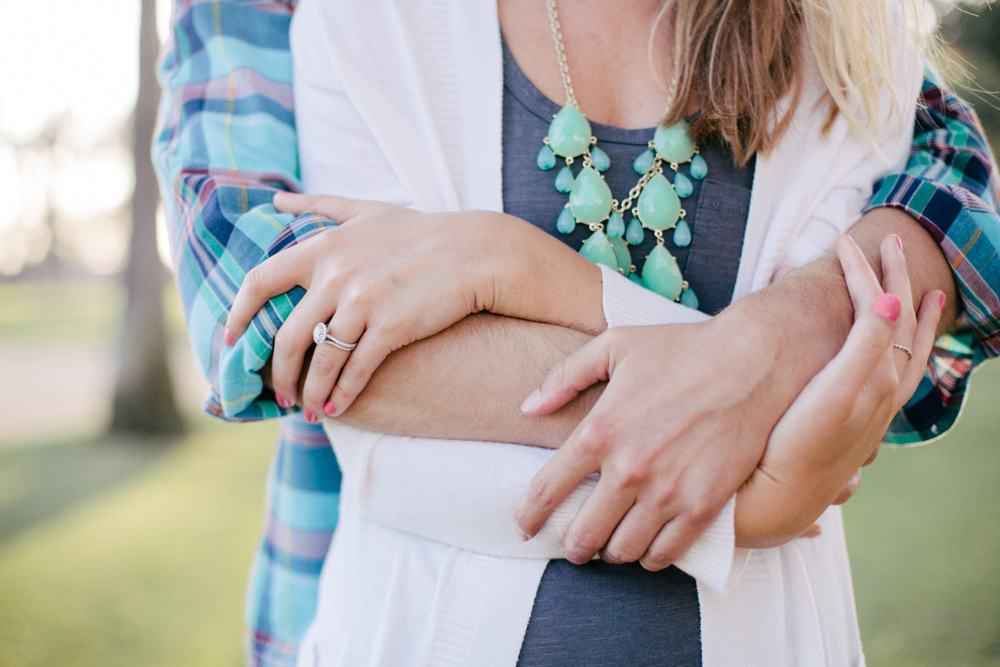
x: 797, y: 325
x: 539, y: 278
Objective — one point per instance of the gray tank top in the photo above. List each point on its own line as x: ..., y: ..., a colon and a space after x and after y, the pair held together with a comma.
x: 601, y: 614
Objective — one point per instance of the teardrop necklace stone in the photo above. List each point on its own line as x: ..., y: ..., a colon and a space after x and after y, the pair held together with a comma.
x: 635, y: 234
x: 673, y: 143
x: 564, y: 180
x: 682, y: 234
x: 683, y: 185
x: 590, y: 198
x: 661, y: 274
x: 598, y: 249
x: 546, y: 158
x: 659, y: 208
x: 643, y: 162
x: 569, y: 133
x: 699, y: 168
x: 600, y: 159
x: 616, y: 225
x: 565, y: 223
x: 622, y: 254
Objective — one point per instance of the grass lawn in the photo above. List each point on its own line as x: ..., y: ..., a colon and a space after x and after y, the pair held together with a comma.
x: 924, y: 536
x: 148, y: 573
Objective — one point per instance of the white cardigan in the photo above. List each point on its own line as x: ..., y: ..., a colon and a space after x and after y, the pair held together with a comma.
x: 401, y: 102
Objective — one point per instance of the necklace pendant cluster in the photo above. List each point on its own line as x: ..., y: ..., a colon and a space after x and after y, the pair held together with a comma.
x: 654, y: 204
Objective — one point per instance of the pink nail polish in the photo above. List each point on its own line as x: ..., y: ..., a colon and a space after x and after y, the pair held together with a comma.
x: 888, y: 306
x: 330, y: 408
x: 311, y: 418
x: 899, y: 242
x: 283, y: 402
x: 943, y: 300
x: 229, y: 340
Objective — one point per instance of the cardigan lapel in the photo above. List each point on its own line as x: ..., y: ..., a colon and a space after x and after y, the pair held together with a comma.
x: 435, y: 106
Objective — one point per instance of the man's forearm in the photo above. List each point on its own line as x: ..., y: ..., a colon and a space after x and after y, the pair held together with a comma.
x: 468, y: 382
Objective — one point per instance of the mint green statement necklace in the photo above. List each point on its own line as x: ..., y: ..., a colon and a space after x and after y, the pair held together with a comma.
x: 654, y: 203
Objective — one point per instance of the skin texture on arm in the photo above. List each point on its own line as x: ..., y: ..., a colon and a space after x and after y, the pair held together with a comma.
x: 808, y: 315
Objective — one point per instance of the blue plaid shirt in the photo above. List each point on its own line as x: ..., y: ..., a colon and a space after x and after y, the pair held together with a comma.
x: 226, y: 142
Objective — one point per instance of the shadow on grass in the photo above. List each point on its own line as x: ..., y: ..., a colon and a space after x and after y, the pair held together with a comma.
x: 38, y: 482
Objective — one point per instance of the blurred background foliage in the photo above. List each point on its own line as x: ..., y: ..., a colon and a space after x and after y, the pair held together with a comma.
x: 124, y: 547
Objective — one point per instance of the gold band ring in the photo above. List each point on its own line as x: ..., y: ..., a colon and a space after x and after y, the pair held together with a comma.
x: 909, y: 352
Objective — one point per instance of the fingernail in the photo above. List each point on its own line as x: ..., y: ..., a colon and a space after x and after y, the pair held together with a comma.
x: 329, y: 408
x: 228, y: 338
x: 278, y: 197
x: 888, y: 306
x: 899, y: 242
x: 943, y: 300
x: 311, y: 418
x: 532, y: 402
x: 520, y: 534
x: 282, y: 401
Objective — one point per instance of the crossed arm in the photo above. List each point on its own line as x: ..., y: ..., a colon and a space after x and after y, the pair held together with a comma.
x: 778, y: 339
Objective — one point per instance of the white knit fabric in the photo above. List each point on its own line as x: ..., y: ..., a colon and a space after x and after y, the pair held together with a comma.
x: 401, y: 102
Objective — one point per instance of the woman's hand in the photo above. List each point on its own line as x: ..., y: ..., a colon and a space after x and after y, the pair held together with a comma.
x: 388, y: 276
x: 845, y: 410
x: 671, y: 447
x: 678, y: 429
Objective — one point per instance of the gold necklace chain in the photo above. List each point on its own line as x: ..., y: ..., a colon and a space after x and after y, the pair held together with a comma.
x: 561, y: 53
x: 625, y: 205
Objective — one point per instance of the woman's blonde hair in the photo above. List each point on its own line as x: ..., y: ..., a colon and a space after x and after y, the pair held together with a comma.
x: 737, y: 59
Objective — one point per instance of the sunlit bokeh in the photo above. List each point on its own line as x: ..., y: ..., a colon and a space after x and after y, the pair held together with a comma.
x: 67, y: 89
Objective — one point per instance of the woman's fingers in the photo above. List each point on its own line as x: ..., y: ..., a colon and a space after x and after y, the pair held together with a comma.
x: 327, y: 362
x: 594, y: 522
x: 337, y: 209
x: 275, y: 275
x: 550, y: 486
x: 358, y: 370
x: 923, y: 341
x: 585, y: 367
x: 672, y: 542
x: 862, y: 284
x: 636, y: 532
x: 291, y: 342
x: 896, y: 279
x: 849, y: 488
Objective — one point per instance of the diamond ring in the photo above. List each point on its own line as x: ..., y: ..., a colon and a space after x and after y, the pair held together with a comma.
x: 322, y: 335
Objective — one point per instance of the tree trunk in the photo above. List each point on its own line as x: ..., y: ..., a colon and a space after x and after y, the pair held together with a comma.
x: 144, y: 398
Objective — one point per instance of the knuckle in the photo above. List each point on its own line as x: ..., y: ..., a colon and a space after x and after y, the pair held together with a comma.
x: 705, y: 509
x: 541, y: 494
x: 623, y: 553
x: 664, y: 495
x: 654, y: 562
x: 594, y: 437
x: 585, y: 540
x: 628, y: 476
x: 324, y: 364
x: 284, y: 344
x: 255, y: 281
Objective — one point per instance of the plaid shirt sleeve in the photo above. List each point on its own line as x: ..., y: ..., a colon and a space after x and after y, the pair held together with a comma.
x: 951, y: 187
x: 225, y: 143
